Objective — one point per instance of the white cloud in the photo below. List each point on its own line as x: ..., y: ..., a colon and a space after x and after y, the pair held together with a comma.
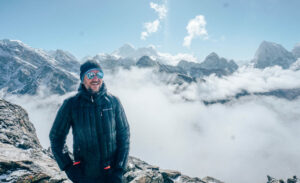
x: 152, y: 27
x: 195, y: 28
x: 160, y: 9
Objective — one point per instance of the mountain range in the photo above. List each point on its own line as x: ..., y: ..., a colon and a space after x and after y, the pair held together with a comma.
x: 24, y: 69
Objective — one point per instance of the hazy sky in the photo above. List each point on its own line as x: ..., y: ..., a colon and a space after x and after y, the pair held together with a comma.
x: 234, y: 29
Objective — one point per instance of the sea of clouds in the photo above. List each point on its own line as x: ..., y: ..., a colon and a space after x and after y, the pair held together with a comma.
x: 240, y: 141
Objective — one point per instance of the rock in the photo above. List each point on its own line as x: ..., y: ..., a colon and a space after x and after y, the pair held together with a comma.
x: 22, y: 158
x: 139, y: 171
x: 15, y: 127
x: 211, y: 180
x: 289, y: 180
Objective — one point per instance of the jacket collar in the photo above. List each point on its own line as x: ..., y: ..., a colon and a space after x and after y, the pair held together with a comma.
x: 82, y: 91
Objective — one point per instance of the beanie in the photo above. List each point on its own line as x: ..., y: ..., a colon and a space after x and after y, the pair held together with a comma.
x: 88, y: 65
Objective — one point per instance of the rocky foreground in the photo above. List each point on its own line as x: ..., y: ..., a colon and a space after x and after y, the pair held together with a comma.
x: 23, y: 160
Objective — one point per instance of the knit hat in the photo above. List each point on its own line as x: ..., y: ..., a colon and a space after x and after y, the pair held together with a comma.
x: 89, y: 65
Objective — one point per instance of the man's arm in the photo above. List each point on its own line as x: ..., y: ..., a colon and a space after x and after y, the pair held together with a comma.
x: 58, y: 134
x: 123, y: 137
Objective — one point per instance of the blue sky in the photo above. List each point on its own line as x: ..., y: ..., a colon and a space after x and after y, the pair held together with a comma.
x: 234, y: 29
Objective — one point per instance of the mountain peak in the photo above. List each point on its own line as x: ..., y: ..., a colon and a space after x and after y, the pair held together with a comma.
x: 270, y: 54
x: 213, y: 55
x: 12, y: 42
x: 214, y: 62
x: 145, y: 61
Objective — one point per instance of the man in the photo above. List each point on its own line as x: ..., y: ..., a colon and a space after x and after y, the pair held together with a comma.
x: 100, y: 131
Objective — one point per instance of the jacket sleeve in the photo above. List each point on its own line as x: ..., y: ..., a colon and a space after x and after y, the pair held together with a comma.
x: 58, y: 134
x: 123, y: 137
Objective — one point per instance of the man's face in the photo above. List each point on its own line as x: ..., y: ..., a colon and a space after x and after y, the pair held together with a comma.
x: 94, y: 83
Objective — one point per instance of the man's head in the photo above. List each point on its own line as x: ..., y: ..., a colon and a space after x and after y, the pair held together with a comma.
x: 91, y: 76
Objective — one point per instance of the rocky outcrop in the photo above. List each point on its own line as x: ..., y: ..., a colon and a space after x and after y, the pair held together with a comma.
x: 15, y: 128
x: 22, y: 158
x: 139, y: 171
x: 294, y: 179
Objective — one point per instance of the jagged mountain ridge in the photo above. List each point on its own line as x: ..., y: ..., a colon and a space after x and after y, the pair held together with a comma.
x: 25, y: 69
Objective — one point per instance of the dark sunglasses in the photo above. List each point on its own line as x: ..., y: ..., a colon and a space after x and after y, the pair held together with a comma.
x: 91, y: 75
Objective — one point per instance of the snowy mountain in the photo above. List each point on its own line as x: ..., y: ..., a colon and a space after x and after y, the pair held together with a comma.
x: 111, y: 62
x: 270, y: 54
x: 213, y: 61
x: 65, y: 60
x: 128, y: 51
x: 24, y: 69
x: 146, y: 61
x: 212, y: 64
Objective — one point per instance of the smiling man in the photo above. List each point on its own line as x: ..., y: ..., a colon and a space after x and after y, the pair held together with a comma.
x: 100, y: 131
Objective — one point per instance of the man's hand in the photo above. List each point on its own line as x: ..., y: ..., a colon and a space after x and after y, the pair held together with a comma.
x: 74, y: 172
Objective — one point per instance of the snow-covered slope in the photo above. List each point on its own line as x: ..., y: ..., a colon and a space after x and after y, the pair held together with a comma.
x: 24, y: 69
x: 66, y: 60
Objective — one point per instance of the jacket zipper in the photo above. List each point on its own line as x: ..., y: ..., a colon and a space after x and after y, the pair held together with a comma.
x: 92, y: 99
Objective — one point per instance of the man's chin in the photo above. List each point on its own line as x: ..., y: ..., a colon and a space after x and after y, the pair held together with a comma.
x: 90, y: 90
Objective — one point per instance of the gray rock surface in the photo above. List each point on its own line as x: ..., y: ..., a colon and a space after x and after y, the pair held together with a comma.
x: 294, y: 179
x: 22, y: 158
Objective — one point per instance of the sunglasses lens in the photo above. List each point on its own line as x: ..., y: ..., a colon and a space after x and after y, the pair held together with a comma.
x: 100, y: 75
x: 90, y: 75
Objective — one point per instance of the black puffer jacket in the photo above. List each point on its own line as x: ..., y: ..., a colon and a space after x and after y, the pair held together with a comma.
x: 100, y: 132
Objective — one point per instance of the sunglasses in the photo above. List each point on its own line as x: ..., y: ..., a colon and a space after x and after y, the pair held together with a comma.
x: 91, y: 75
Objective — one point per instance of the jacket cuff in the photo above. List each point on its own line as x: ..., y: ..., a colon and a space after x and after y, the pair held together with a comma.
x: 65, y: 162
